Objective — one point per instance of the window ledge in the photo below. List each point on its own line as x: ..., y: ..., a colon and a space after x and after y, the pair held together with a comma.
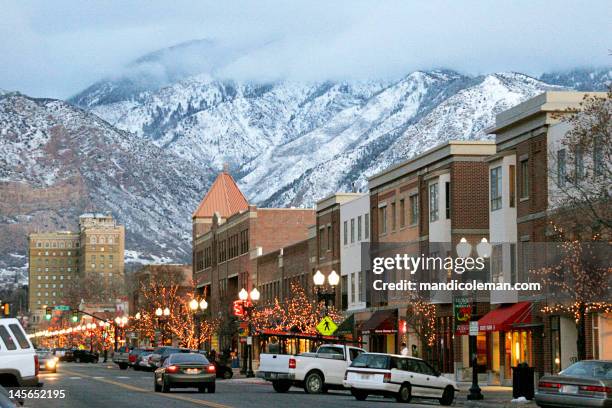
x: 522, y: 199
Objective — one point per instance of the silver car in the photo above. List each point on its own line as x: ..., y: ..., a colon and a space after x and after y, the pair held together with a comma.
x: 586, y: 383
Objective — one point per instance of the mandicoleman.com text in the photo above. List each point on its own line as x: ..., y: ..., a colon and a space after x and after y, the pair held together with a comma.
x: 452, y: 285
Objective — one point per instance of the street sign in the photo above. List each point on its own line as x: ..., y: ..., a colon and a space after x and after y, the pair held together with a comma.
x: 62, y: 307
x: 474, y: 328
x: 326, y: 326
x: 249, y: 340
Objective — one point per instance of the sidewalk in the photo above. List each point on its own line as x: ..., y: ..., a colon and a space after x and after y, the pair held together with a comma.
x: 494, y: 397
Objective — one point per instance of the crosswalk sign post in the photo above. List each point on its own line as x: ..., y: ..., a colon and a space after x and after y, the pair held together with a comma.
x: 326, y: 326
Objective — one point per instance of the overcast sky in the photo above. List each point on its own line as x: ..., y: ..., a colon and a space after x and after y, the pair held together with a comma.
x: 57, y: 48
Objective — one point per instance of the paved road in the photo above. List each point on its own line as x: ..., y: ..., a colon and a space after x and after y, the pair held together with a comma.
x: 104, y: 385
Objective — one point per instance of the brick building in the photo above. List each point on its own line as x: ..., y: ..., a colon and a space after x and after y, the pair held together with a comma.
x: 328, y: 246
x: 228, y: 235
x: 522, y: 206
x: 427, y: 204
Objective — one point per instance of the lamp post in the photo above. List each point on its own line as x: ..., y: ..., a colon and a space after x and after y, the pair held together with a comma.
x: 162, y: 316
x: 319, y: 280
x: 248, y: 307
x: 464, y: 250
x: 194, y: 305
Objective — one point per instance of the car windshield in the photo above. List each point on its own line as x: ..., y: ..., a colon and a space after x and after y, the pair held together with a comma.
x: 188, y: 358
x: 602, y: 370
x: 366, y: 360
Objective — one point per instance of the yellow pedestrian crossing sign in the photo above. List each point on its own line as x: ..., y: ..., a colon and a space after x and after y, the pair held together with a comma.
x: 326, y: 326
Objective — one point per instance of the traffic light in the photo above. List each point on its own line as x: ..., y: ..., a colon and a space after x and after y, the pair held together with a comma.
x: 75, y: 315
x: 5, y: 309
x: 48, y: 313
x: 238, y: 308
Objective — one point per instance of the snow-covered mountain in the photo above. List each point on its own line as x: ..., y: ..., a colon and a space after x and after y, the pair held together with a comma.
x: 58, y: 161
x: 146, y: 143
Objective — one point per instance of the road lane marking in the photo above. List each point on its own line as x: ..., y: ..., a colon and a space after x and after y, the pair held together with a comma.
x: 205, y: 403
x: 123, y: 378
x: 97, y: 378
x: 75, y: 378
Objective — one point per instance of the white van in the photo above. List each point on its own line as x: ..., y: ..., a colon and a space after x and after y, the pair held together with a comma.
x: 18, y: 359
x: 397, y: 376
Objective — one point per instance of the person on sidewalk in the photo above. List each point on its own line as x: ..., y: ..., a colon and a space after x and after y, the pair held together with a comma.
x: 404, y: 350
x: 415, y: 351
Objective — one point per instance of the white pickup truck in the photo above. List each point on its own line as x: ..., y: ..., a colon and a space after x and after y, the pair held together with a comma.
x: 316, y: 372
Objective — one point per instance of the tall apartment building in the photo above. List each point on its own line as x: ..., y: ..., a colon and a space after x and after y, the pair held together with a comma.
x: 229, y: 234
x: 426, y: 205
x: 56, y: 258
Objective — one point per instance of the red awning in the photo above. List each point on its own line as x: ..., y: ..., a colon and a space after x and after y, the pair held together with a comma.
x: 502, y: 318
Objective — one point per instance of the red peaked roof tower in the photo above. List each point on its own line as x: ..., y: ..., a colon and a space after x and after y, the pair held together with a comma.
x: 224, y: 197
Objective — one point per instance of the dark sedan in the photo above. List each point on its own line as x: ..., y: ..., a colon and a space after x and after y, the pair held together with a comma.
x: 586, y: 383
x: 85, y: 356
x: 185, y: 370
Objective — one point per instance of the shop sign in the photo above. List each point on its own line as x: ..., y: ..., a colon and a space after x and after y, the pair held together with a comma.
x: 462, y: 308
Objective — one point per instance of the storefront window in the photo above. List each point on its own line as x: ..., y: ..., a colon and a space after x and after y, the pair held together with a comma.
x: 518, y: 350
x: 555, y: 346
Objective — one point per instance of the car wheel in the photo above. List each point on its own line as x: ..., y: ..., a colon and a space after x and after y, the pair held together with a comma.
x: 77, y: 360
x: 211, y: 388
x: 448, y: 396
x: 404, y: 394
x: 313, y: 383
x: 201, y: 388
x: 359, y: 395
x: 227, y: 374
x: 165, y: 385
x: 123, y: 366
x: 156, y: 386
x: 281, y: 386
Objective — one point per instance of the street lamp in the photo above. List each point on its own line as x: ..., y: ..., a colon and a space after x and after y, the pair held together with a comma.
x: 464, y: 250
x: 159, y: 312
x: 319, y: 280
x: 194, y: 305
x: 248, y: 307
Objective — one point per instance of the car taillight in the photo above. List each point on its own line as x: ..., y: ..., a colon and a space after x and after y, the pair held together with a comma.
x: 211, y: 368
x: 131, y: 358
x: 387, y: 378
x: 172, y: 369
x: 292, y: 363
x: 596, y: 388
x: 36, y: 366
x: 547, y: 384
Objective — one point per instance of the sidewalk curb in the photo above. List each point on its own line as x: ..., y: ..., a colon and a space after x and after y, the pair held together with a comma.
x: 499, y: 404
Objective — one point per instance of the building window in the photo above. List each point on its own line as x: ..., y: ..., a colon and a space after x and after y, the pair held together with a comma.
x: 345, y: 232
x: 447, y: 199
x: 352, y: 230
x: 512, y: 181
x: 383, y: 220
x: 353, y: 287
x: 366, y: 224
x: 402, y: 213
x: 561, y: 168
x: 579, y: 164
x: 344, y: 291
x: 38, y: 245
x: 414, y: 209
x: 359, y: 228
x: 433, y: 202
x: 496, y: 188
x: 329, y: 238
x: 92, y: 240
x: 524, y: 179
x: 393, y: 216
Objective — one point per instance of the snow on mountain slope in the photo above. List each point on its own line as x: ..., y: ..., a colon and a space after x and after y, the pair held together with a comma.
x: 57, y: 161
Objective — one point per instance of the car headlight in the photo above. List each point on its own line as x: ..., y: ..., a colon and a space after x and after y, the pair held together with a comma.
x: 51, y: 363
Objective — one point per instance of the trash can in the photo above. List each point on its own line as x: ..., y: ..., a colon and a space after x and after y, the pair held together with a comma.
x: 522, y: 381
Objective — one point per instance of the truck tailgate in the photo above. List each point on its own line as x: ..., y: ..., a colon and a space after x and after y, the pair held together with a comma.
x: 276, y: 363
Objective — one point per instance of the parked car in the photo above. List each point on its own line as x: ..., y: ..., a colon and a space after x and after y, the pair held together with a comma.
x: 185, y: 370
x: 144, y: 361
x: 18, y: 360
x: 397, y: 376
x: 316, y: 372
x: 121, y: 357
x: 139, y: 359
x: 85, y: 356
x: 47, y: 361
x: 223, y: 371
x: 587, y: 383
x: 133, y: 355
x: 160, y: 354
